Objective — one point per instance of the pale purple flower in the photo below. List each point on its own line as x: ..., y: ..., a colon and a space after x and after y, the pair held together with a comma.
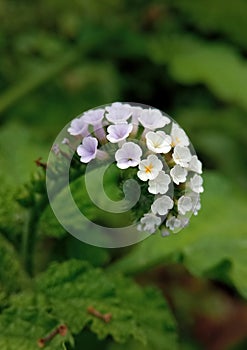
x: 135, y: 115
x: 162, y: 205
x: 153, y: 119
x: 55, y: 149
x: 118, y: 113
x: 95, y: 117
x: 88, y: 149
x: 129, y: 155
x: 118, y: 132
x: 78, y: 127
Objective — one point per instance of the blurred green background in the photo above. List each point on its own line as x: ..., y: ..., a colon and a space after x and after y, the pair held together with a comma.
x: 188, y: 58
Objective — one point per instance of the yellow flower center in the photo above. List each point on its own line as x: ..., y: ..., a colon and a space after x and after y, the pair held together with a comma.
x: 148, y: 168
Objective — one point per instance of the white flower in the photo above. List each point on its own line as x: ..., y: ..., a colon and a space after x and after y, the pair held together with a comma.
x: 88, y: 149
x: 149, y: 168
x: 184, y: 204
x: 197, y: 207
x: 118, y: 132
x: 195, y: 165
x: 118, y: 113
x: 178, y: 174
x: 129, y: 155
x: 149, y: 223
x: 196, y: 183
x: 153, y: 119
x: 160, y: 184
x: 178, y: 136
x: 78, y: 127
x: 162, y: 205
x: 182, y: 156
x: 172, y: 223
x: 158, y: 142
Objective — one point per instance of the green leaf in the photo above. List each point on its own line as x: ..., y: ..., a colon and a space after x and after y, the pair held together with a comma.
x: 62, y: 296
x: 227, y: 18
x: 192, y: 61
x: 213, y: 246
x: 12, y: 275
x: 27, y: 320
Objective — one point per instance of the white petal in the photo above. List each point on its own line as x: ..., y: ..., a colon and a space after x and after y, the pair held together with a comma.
x: 158, y: 142
x: 160, y: 184
x: 179, y: 137
x: 184, y: 204
x: 178, y: 174
x: 162, y: 205
x: 195, y: 165
x: 181, y: 155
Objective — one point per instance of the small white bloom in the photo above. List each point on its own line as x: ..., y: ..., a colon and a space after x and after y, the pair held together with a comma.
x: 175, y: 223
x: 118, y: 132
x: 149, y: 168
x: 195, y: 165
x: 162, y: 205
x: 197, y: 207
x: 165, y: 233
x: 65, y: 141
x: 153, y: 119
x: 172, y: 223
x: 118, y: 113
x: 158, y: 142
x: 78, y: 127
x: 88, y: 149
x: 184, y: 204
x: 196, y: 184
x: 94, y: 116
x: 129, y: 155
x: 178, y: 136
x: 182, y: 156
x: 55, y: 149
x: 149, y: 223
x: 178, y: 174
x: 160, y: 184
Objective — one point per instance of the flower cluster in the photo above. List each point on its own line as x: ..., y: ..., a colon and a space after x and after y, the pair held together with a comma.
x: 160, y: 152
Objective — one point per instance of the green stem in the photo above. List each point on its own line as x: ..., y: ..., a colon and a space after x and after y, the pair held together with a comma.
x: 30, y: 234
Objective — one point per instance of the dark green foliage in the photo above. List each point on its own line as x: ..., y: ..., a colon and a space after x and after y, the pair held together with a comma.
x: 64, y: 293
